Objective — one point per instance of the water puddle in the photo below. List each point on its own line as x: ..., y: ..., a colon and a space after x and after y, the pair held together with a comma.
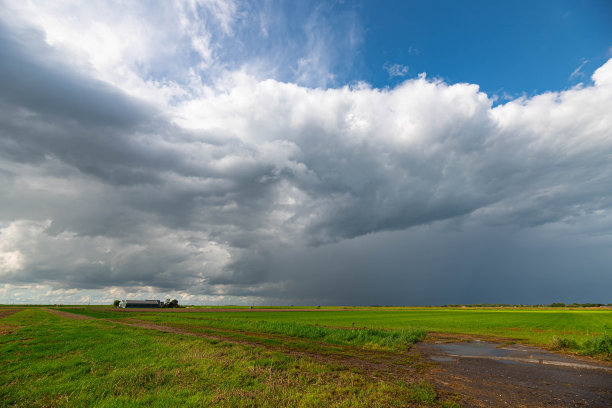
x: 475, y: 349
x: 512, y: 362
x: 516, y: 354
x: 442, y: 359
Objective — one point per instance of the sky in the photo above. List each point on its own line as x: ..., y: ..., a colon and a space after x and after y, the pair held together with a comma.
x: 311, y: 152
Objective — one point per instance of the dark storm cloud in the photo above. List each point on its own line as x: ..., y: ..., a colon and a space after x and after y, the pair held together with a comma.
x: 277, y: 191
x: 51, y: 109
x: 33, y: 77
x: 439, y: 265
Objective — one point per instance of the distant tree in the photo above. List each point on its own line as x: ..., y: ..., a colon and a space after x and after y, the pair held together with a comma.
x: 116, y: 303
x: 557, y: 304
x: 170, y: 303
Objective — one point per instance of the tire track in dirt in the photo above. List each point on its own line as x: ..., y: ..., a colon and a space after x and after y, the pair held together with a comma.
x: 6, y: 312
x: 70, y: 315
x: 8, y: 328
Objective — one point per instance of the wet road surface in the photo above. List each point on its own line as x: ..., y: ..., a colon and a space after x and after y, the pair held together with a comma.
x: 494, y: 375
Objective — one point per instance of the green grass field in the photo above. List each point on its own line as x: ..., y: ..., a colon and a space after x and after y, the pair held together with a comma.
x: 53, y: 361
x: 353, y: 357
x: 530, y: 325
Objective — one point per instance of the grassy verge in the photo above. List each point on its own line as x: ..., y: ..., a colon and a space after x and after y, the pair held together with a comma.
x: 49, y: 361
x: 594, y: 346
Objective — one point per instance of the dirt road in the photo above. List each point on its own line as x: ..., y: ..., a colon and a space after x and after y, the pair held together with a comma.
x: 493, y: 375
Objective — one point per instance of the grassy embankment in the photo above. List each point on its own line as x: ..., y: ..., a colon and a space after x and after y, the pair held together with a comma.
x: 584, y: 331
x: 49, y: 360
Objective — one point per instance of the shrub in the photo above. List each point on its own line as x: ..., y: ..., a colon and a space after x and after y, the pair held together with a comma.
x: 564, y: 343
x: 593, y: 346
x: 598, y: 345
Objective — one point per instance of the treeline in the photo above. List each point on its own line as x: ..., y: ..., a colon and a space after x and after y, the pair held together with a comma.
x: 556, y: 304
x: 561, y: 304
x: 482, y: 305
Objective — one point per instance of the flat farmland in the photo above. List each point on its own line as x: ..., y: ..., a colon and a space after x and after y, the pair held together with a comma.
x: 531, y: 325
x: 53, y: 358
x: 303, y: 357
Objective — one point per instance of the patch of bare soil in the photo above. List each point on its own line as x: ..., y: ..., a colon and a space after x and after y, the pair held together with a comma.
x: 437, y: 338
x: 70, y: 315
x: 8, y: 329
x: 490, y: 382
x: 7, y: 312
x: 433, y: 337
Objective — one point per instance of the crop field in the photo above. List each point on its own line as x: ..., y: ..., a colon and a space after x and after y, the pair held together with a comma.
x: 345, y: 357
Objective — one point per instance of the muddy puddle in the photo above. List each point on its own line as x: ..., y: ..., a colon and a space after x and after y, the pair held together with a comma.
x: 447, y: 352
x: 486, y: 374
